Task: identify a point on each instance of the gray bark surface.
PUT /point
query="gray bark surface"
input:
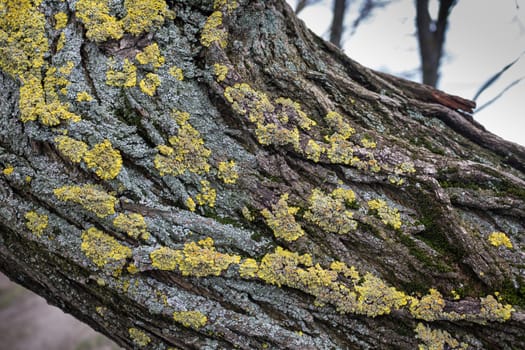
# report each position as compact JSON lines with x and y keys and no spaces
{"x":450,"y":183}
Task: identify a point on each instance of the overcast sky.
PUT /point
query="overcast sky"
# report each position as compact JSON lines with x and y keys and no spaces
{"x":483,"y":36}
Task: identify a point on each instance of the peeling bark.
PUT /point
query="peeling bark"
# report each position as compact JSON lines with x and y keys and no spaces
{"x":394,"y":183}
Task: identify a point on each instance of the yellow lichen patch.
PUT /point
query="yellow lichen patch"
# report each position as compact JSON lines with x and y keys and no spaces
{"x":73,"y":149}
{"x":188,"y":151}
{"x":314,"y":150}
{"x":36,"y":223}
{"x":145,"y":15}
{"x":228,"y":5}
{"x":212,"y":31}
{"x":99,"y":24}
{"x":248,"y":268}
{"x":101,"y":248}
{"x":23,"y":43}
{"x":33,"y":105}
{"x":207,"y":195}
{"x":282,"y":220}
{"x":389,"y":216}
{"x":246,"y":213}
{"x":60,"y":20}
{"x":196,"y":259}
{"x":104,"y":160}
{"x":348,"y":272}
{"x":176,"y":72}
{"x":429,"y":307}
{"x":293,"y":110}
{"x":220,"y":71}
{"x":377,"y":298}
{"x":368,"y":143}
{"x":61,"y":41}
{"x":500,"y":239}
{"x":227,"y":172}
{"x":89,"y":197}
{"x":191,"y":319}
{"x":342,"y":129}
{"x":165,"y":258}
{"x":139,"y":337}
{"x":123,"y":77}
{"x":133,"y":224}
{"x":330,"y":212}
{"x":339,"y":151}
{"x":492,"y":310}
{"x":149,"y":84}
{"x":436,"y":339}
{"x":8,"y":170}
{"x":245,"y":100}
{"x":83,"y":96}
{"x":190,"y":204}
{"x":151,"y":55}
{"x":273,"y":134}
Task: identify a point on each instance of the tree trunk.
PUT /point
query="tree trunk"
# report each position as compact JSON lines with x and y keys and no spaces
{"x":215,"y":176}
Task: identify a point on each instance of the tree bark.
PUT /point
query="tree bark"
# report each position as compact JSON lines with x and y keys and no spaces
{"x":213,"y":175}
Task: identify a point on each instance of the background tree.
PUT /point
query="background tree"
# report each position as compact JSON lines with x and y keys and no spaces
{"x":200,"y":174}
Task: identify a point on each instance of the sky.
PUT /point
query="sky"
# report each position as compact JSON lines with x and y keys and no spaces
{"x":483,"y":36}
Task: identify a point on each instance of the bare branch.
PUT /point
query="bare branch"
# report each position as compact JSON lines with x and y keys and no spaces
{"x":498,"y":96}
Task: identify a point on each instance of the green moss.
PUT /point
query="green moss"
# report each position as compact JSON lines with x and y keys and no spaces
{"x":422,"y":256}
{"x":511,"y":294}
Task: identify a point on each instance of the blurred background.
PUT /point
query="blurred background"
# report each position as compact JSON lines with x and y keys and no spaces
{"x":470,"y":48}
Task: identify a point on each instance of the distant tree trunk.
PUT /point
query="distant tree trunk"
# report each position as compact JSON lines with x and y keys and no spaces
{"x":337,"y":28}
{"x":431,"y":36}
{"x":215,"y":176}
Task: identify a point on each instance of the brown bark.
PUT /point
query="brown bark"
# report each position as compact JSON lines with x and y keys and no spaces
{"x":452,"y":183}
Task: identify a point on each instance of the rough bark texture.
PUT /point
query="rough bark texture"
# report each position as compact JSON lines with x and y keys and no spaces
{"x":300,"y":241}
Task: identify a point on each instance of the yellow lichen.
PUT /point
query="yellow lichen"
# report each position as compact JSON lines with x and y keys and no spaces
{"x":429,"y":307}
{"x":492,"y":310}
{"x":220,"y":71}
{"x":100,"y":25}
{"x":190,"y":204}
{"x":500,"y":239}
{"x":36,"y":223}
{"x":133,"y":224}
{"x":282,"y":220}
{"x":89,"y":197}
{"x":245,"y":100}
{"x":104,"y":160}
{"x":101,"y":248}
{"x":314,"y":150}
{"x":246,"y":213}
{"x":176,"y":72}
{"x":330,"y":212}
{"x":436,"y":339}
{"x":196,"y":259}
{"x":139,"y":337}
{"x":248,"y":268}
{"x":294,"y":112}
{"x":389,"y":216}
{"x":368,"y":143}
{"x":191,"y":319}
{"x":151,"y":55}
{"x":126,"y":76}
{"x":212,"y":31}
{"x":188,"y":151}
{"x":227,"y":172}
{"x":149,"y":84}
{"x":207,"y":195}
{"x":83,"y":96}
{"x":377,"y":298}
{"x":60,"y":20}
{"x":73,"y":149}
{"x":8,"y":170}
{"x":342,"y":129}
{"x":145,"y":15}
{"x":228,"y":5}
{"x":61,"y":41}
